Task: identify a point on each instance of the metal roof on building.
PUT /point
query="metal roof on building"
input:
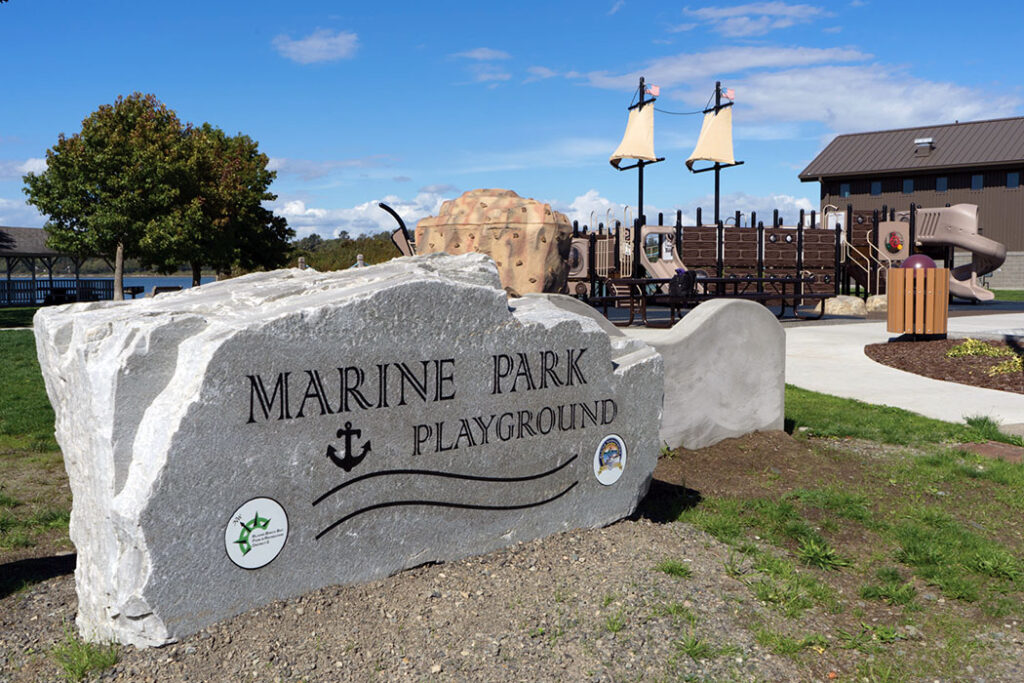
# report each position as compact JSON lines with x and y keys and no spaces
{"x":24,"y":242}
{"x":957,"y":145}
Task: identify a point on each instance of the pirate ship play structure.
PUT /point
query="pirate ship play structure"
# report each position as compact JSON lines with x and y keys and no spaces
{"x":840,"y":252}
{"x":634,"y":262}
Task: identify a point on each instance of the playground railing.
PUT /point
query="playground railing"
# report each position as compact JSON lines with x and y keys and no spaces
{"x":869,"y":258}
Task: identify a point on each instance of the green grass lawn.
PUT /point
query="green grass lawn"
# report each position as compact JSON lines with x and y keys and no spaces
{"x":17,"y":317}
{"x":35,"y":502}
{"x":1009,"y":294}
{"x":26,"y":418}
{"x":827,"y":415}
{"x":902,"y":529}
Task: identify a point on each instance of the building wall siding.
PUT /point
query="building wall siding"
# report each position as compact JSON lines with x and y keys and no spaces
{"x":1000,"y":209}
{"x":1009,"y":276}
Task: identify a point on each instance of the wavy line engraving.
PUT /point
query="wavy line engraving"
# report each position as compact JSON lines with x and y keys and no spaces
{"x":460,"y":506}
{"x":447,"y":475}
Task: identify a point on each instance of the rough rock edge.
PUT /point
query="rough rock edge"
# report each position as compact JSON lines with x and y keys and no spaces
{"x":66,"y":335}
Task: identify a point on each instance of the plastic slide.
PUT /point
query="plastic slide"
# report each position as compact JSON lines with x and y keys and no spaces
{"x":663,"y":268}
{"x":957,"y":226}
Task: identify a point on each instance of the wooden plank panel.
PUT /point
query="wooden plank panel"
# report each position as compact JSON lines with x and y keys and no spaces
{"x":895,"y":301}
{"x":908,"y":302}
{"x":929,"y":300}
{"x":919,"y":299}
{"x":942,"y":297}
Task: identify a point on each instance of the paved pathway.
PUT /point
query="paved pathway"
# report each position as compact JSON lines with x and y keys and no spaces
{"x":830,"y":359}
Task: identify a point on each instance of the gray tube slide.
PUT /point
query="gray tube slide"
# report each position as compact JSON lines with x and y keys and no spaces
{"x":957,"y":226}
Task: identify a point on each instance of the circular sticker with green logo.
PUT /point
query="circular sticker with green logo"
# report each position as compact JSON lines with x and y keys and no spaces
{"x":256,"y":533}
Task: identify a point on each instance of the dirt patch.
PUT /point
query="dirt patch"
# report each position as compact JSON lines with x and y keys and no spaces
{"x":928,"y":358}
{"x":584,"y":605}
{"x":996,"y":451}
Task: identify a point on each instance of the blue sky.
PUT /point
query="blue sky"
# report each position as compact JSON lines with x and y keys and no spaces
{"x":413,"y":103}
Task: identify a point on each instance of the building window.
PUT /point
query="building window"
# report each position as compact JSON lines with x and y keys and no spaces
{"x":941,"y":183}
{"x":844,"y":189}
{"x":908,"y":186}
{"x":1013,"y":179}
{"x":876,"y":188}
{"x":977,"y":181}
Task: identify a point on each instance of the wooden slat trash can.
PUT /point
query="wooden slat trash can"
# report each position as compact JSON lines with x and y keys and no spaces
{"x":918,"y":300}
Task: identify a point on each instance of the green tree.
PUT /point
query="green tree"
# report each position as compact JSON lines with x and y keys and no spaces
{"x":341,"y":253}
{"x":219,"y":220}
{"x":106,"y":186}
{"x":309,"y":243}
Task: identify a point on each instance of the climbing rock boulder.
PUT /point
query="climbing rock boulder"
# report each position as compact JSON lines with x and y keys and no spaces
{"x":528,"y":240}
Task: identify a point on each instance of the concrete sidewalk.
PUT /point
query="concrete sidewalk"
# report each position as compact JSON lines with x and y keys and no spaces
{"x":830,"y":359}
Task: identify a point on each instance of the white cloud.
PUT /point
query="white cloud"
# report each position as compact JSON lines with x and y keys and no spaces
{"x":558,"y":153}
{"x":483,"y":54}
{"x":16,"y":213}
{"x":362,"y":219}
{"x":591,"y":208}
{"x":484,"y":70}
{"x":788,"y":206}
{"x":309,"y":169}
{"x":619,"y":4}
{"x":487,"y":73}
{"x":442,"y":188}
{"x":681,"y":28}
{"x":539,"y":73}
{"x":779,"y":88}
{"x":320,"y":46}
{"x":14,"y":170}
{"x":767,"y":131}
{"x":858,"y":98}
{"x":755,"y":18}
{"x":699,"y":68}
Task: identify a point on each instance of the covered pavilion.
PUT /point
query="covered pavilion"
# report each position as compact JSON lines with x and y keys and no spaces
{"x":26,"y":247}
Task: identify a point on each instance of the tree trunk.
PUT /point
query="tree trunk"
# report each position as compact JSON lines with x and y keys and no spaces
{"x":119,"y":273}
{"x":197,"y":274}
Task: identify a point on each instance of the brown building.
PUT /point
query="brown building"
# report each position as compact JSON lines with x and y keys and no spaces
{"x":978,"y":162}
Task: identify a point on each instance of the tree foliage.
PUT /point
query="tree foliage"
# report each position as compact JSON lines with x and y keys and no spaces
{"x":135,"y":182}
{"x":105,"y":186}
{"x":219,"y":220}
{"x":340,"y":253}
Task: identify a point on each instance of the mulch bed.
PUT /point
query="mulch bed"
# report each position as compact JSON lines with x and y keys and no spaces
{"x":928,"y":358}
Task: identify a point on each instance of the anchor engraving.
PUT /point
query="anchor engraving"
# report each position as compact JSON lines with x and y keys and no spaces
{"x":349,"y":461}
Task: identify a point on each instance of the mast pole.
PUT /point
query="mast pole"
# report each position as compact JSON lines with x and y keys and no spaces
{"x":637,"y":238}
{"x":640,"y":164}
{"x":718,"y":166}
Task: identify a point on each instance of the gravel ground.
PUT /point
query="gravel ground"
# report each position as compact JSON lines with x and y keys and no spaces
{"x":585,"y":605}
{"x":579,"y":606}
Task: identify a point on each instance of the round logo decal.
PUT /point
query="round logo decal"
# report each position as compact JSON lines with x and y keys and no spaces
{"x":256,"y":533}
{"x":894,"y":243}
{"x":610,"y":459}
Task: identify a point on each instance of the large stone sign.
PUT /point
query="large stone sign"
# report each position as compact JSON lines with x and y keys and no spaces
{"x":255,"y":439}
{"x":528,"y":240}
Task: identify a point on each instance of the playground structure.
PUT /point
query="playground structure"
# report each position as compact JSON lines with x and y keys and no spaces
{"x":795,"y":265}
{"x":814,"y":259}
{"x":877,"y":241}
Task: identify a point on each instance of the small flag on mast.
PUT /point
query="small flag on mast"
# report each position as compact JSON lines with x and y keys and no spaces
{"x":654,"y":90}
{"x":730,"y":93}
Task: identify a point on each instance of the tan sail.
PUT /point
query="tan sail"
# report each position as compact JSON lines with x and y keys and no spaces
{"x":715,"y":141}
{"x":638,"y":142}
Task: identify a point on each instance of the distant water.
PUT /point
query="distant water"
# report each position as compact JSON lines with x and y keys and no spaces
{"x":148,"y":283}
